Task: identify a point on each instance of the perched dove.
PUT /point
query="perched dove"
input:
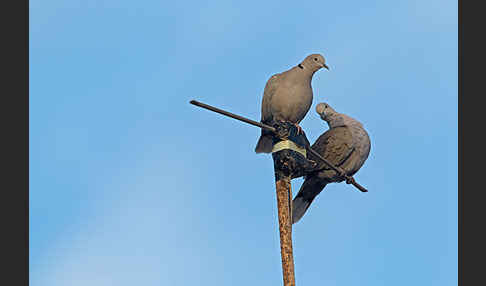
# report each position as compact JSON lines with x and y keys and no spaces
{"x":346,"y":145}
{"x":288,"y":97}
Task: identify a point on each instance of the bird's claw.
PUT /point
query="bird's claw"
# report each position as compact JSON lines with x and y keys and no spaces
{"x":299,"y":129}
{"x":350,"y":180}
{"x":313,"y":163}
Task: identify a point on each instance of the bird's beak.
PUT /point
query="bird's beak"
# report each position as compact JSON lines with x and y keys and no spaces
{"x":324,"y":65}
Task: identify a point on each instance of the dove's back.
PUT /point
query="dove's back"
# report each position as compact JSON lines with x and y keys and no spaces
{"x":361,"y":143}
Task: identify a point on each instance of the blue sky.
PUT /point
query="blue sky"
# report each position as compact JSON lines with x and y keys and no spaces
{"x":130,"y":184}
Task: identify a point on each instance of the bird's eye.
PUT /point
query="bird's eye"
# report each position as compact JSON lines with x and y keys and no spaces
{"x":315,"y":59}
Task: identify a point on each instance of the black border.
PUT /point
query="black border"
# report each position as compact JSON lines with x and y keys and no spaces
{"x":470,"y":145}
{"x":461,"y":184}
{"x":14,"y":211}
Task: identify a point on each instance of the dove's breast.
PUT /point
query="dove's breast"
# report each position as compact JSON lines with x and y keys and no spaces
{"x":292,"y":101}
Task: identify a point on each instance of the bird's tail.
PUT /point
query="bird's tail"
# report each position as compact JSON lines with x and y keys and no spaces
{"x":311,"y":187}
{"x":265,"y":143}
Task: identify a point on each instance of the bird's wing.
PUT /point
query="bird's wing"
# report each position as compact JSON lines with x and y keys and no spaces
{"x":268,"y":93}
{"x":335,"y":145}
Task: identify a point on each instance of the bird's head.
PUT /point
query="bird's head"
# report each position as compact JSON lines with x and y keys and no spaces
{"x":314,"y":62}
{"x":325,"y":111}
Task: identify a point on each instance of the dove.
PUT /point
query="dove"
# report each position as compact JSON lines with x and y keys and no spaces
{"x":346,"y":145}
{"x":287,"y":97}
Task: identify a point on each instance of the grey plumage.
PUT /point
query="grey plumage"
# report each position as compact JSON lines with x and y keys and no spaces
{"x":288,"y":97}
{"x":346,"y":145}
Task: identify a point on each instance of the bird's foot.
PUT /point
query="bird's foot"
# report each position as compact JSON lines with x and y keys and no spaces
{"x":312,"y":163}
{"x":344,"y":176}
{"x":350,"y":180}
{"x":299,"y":129}
{"x":310,"y":166}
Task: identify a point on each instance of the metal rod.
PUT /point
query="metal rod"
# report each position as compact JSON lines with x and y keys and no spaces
{"x":232,"y":115}
{"x":349,"y":179}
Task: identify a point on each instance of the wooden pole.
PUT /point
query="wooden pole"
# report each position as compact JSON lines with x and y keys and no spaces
{"x":284,"y":200}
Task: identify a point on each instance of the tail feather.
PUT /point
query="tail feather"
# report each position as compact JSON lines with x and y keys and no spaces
{"x":311,"y":187}
{"x":265,"y":144}
{"x":299,"y":207}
